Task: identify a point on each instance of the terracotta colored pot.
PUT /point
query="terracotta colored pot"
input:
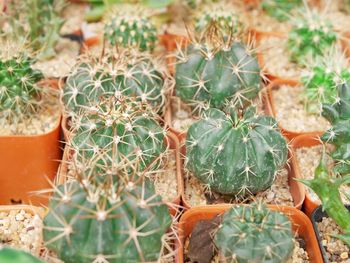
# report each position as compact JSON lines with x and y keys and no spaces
{"x":273,"y":109}
{"x":301,"y":141}
{"x":345,"y":42}
{"x":301,"y":226}
{"x":296,"y":189}
{"x":28,"y":163}
{"x":172,"y":142}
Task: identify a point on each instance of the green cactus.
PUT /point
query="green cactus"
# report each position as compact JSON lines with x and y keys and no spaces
{"x":213,"y":75}
{"x":39,"y":22}
{"x":20,"y":94}
{"x":10,"y":255}
{"x":253,"y":233}
{"x":235,"y":155}
{"x":118,"y":128}
{"x":311,"y":36}
{"x":327,"y":189}
{"x":338,"y":114}
{"x":280,"y":9}
{"x":124,"y":222}
{"x":130,"y":25}
{"x":321,"y":79}
{"x":131,"y":73}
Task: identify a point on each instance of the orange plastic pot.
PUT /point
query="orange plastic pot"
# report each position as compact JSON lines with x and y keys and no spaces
{"x":301,"y":141}
{"x":300,"y":222}
{"x":273,"y":109}
{"x":172,"y":142}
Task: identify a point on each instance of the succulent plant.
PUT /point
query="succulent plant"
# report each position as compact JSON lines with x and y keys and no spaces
{"x":338,"y":114}
{"x":213,"y":73}
{"x":311,"y":36}
{"x":120,"y":222}
{"x":327,"y":189}
{"x":39,"y":22}
{"x":254,"y":233}
{"x":20,"y":94}
{"x":237,"y":153}
{"x":280,"y":9}
{"x":118,"y":128}
{"x":11,"y":255}
{"x":128,"y":72}
{"x":130,"y":25}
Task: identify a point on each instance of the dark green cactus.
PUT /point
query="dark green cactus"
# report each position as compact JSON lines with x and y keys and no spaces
{"x":20,"y":93}
{"x":117,"y":224}
{"x":280,"y":9}
{"x":130,"y":26}
{"x":118,"y":128}
{"x":327,"y":189}
{"x":338,"y":114}
{"x":10,"y":255}
{"x":130,"y":73}
{"x":253,"y":233}
{"x":311,"y":36}
{"x":235,"y":155}
{"x":208,"y":76}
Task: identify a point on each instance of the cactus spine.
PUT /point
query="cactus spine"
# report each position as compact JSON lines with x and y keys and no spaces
{"x":254,"y":234}
{"x":235,"y":155}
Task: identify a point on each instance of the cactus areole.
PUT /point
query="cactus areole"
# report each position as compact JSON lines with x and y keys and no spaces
{"x":254,"y":234}
{"x":235,"y":155}
{"x":207,"y":78}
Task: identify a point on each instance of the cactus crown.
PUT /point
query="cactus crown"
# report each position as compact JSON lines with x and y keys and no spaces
{"x":280,"y":9}
{"x":338,"y":114}
{"x":235,"y":155}
{"x":311,"y":36}
{"x":130,"y":25}
{"x":39,"y":22}
{"x":120,"y":221}
{"x":253,"y":233}
{"x":115,"y":129}
{"x":20,"y":94}
{"x":214,"y":71}
{"x":322,"y":77}
{"x":125,"y":72}
{"x":327,"y":189}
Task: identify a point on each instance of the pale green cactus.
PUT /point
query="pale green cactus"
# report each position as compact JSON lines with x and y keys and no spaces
{"x":280,"y":9}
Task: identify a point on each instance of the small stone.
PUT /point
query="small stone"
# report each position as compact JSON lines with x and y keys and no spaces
{"x":344,"y":255}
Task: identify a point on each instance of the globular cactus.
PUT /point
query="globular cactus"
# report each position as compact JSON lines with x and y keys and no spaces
{"x":254,"y":233}
{"x":321,"y":79}
{"x":235,"y":155}
{"x":20,"y":94}
{"x":214,"y":73}
{"x":118,"y":128}
{"x":117,"y":223}
{"x":327,"y":189}
{"x":131,"y":26}
{"x":311,"y":36}
{"x":11,"y":255}
{"x":128,"y":72}
{"x":280,"y":9}
{"x":338,"y":114}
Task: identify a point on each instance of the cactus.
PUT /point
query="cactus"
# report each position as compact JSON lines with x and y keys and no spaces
{"x":235,"y":155}
{"x":118,"y":128}
{"x":338,"y":114}
{"x":120,"y":222}
{"x":322,"y":78}
{"x":327,"y":189}
{"x":254,"y":233}
{"x":39,"y":22}
{"x":213,"y":73}
{"x":311,"y":36}
{"x":128,"y":72}
{"x":280,"y":9}
{"x":10,"y":255}
{"x":130,"y":25}
{"x":20,"y":94}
